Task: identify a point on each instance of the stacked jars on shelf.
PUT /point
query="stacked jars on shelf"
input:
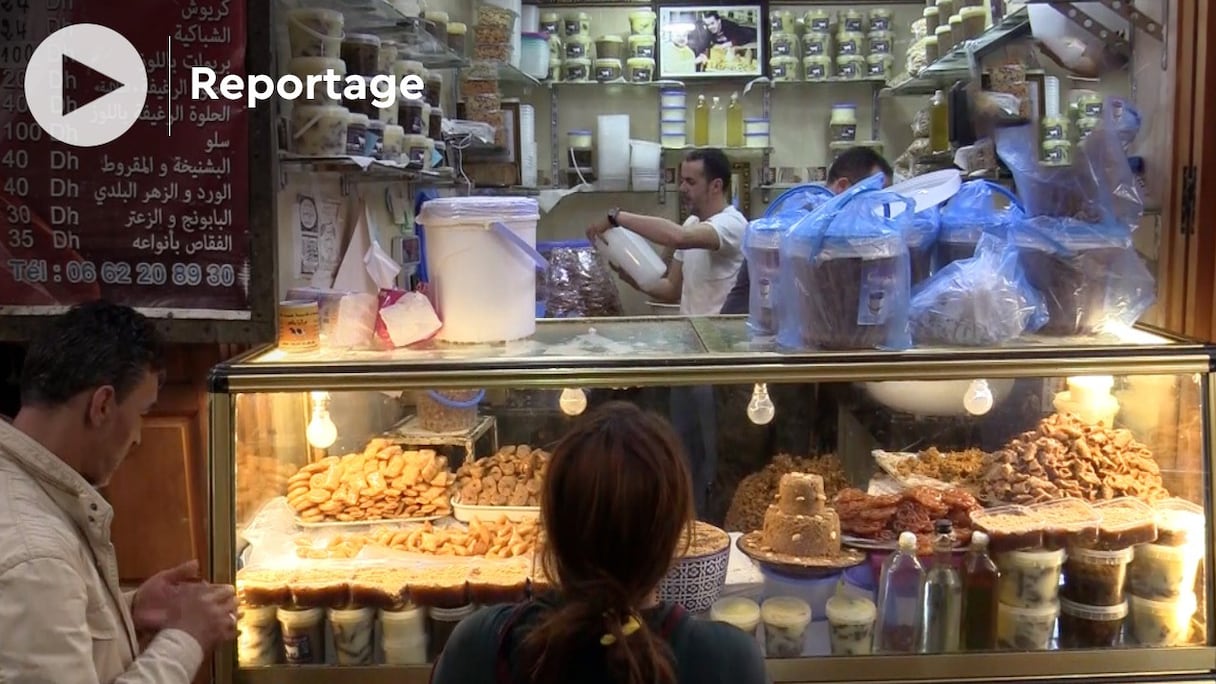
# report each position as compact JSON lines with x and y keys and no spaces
{"x":862,"y":46}
{"x":325,"y":126}
{"x":673,"y":118}
{"x":577,"y":58}
{"x":944,"y":26}
{"x":1117,"y":571}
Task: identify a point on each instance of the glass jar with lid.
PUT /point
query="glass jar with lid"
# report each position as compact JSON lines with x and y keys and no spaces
{"x":956,"y":30}
{"x":882,"y":42}
{"x":576,"y":70}
{"x":854,"y":20}
{"x":551,"y":23}
{"x":945,"y":40}
{"x":1086,"y":125}
{"x":781,"y":22}
{"x":931,"y":53}
{"x":784,"y":45}
{"x":578,"y":46}
{"x":945,"y":10}
{"x":784,"y":68}
{"x":842,"y":127}
{"x":849,"y":43}
{"x":640,"y":69}
{"x":881,"y":20}
{"x":932,"y":19}
{"x":815,"y":44}
{"x":851,"y":67}
{"x":607,"y":70}
{"x":578,"y":24}
{"x":1089,"y":102}
{"x":817,"y":68}
{"x":818,"y":21}
{"x":974,"y":21}
{"x":641,"y":46}
{"x":879,"y":66}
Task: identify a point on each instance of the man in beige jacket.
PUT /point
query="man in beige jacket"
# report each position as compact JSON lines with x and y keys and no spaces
{"x":88,"y":380}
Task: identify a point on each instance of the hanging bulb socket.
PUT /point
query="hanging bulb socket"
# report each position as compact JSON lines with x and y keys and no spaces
{"x":760,"y":410}
{"x":978,"y":399}
{"x":573,"y":401}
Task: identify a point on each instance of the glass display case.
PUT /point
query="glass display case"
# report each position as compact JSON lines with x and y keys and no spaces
{"x":364,"y":502}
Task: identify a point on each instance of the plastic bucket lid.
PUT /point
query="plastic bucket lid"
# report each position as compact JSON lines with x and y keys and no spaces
{"x":1095,"y":613}
{"x":462,"y":211}
{"x":1094,"y":557}
{"x":785,"y":611}
{"x":1034,"y":559}
{"x":928,"y":190}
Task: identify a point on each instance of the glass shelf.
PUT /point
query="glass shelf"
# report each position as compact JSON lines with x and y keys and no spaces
{"x":954,"y":66}
{"x":381,"y":18}
{"x":367,"y":168}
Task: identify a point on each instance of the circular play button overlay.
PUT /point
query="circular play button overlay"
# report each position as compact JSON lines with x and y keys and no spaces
{"x":86,"y":85}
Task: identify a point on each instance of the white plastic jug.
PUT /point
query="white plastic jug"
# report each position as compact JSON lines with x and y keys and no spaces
{"x":481,"y":262}
{"x":630,"y":252}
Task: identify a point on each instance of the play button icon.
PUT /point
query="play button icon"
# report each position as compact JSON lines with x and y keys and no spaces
{"x":86,"y":85}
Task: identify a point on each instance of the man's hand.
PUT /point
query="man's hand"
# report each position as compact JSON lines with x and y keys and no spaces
{"x":597,"y":229}
{"x":156,"y":598}
{"x":206,"y":612}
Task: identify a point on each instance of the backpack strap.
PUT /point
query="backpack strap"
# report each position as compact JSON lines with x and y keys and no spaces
{"x":502,"y":664}
{"x":675,"y":617}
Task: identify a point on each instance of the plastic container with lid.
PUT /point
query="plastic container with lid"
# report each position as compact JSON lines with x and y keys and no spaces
{"x":352,"y":631}
{"x":1126,"y":522}
{"x":557,"y":50}
{"x":607,"y":70}
{"x":842,"y":127}
{"x":303,"y":67}
{"x":945,"y":40}
{"x":394,"y":143}
{"x":1162,"y":623}
{"x":1026,"y":628}
{"x":258,"y":643}
{"x":880,"y":66}
{"x":956,"y":30}
{"x":851,"y":67}
{"x":850,"y":43}
{"x":781,"y":21}
{"x":737,"y":611}
{"x":1095,"y":578}
{"x":1068,"y":522}
{"x":366,"y":105}
{"x":373,"y":142}
{"x":673,"y":114}
{"x":457,"y":38}
{"x":1164,"y":573}
{"x":818,"y":21}
{"x":641,"y":22}
{"x":1089,"y":102}
{"x":437,"y":25}
{"x":671,"y":98}
{"x":673,"y":127}
{"x":1009,"y":528}
{"x":578,"y":46}
{"x":389,"y":50}
{"x":1030,"y":579}
{"x":315,"y":33}
{"x":639,"y":70}
{"x":817,"y":68}
{"x":318,"y":131}
{"x":577,"y":24}
{"x":753,"y":126}
{"x":551,"y":23}
{"x":1084,"y":626}
{"x":945,"y":8}
{"x":851,"y":623}
{"x":784,"y":68}
{"x":1087,"y":125}
{"x":534,"y":54}
{"x":785,"y":622}
{"x":630,"y":252}
{"x":303,"y":635}
{"x":361,"y":52}
{"x":783,"y":45}
{"x":755,"y":140}
{"x":579,"y":139}
{"x":881,"y":42}
{"x":610,"y":47}
{"x":435,"y":123}
{"x":932,"y":20}
{"x":882,"y":19}
{"x":816,"y":44}
{"x":356,"y":134}
{"x":443,"y":621}
{"x":432,"y":89}
{"x":974,"y":21}
{"x":1179,"y":523}
{"x":641,"y":46}
{"x":674,"y":140}
{"x":854,"y":20}
{"x":931,"y":52}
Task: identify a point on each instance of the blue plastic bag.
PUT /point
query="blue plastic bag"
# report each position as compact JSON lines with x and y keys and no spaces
{"x":922,"y":240}
{"x":845,"y":275}
{"x":762,"y":248}
{"x":1098,"y":187}
{"x":978,"y":302}
{"x":1090,"y":275}
{"x":799,"y":198}
{"x":972,"y":212}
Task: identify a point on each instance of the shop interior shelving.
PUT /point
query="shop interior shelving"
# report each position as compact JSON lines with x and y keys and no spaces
{"x":354,"y":170}
{"x":383,"y":19}
{"x":955,"y":66}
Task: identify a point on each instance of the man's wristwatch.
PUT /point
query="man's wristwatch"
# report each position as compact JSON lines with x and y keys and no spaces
{"x":612,"y":217}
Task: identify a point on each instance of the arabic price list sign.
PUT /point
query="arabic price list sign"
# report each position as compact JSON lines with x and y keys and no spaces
{"x":158,"y":218}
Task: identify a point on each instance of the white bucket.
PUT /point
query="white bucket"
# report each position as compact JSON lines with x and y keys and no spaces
{"x":481,"y":262}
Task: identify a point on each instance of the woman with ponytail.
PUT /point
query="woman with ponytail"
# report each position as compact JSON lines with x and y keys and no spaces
{"x":616,"y":502}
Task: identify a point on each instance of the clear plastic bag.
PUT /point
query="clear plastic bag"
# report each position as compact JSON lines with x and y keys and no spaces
{"x":1090,"y":275}
{"x":845,"y":274}
{"x":972,"y":212}
{"x":977,"y":302}
{"x":577,"y":284}
{"x":1099,"y":186}
{"x":762,"y":248}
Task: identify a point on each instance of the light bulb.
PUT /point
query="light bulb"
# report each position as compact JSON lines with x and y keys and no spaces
{"x":760,"y":409}
{"x":321,"y":431}
{"x":978,"y":399}
{"x":573,"y":401}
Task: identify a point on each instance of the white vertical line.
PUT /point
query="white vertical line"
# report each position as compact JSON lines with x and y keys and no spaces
{"x":170,"y":88}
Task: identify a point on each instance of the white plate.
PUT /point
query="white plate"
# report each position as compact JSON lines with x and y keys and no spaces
{"x":928,"y":190}
{"x":465,"y":513}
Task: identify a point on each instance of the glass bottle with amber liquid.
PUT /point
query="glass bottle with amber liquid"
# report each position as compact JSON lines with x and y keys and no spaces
{"x":700,"y":123}
{"x":980,"y":581}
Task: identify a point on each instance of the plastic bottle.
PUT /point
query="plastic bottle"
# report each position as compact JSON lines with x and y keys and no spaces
{"x":939,"y":123}
{"x":900,"y":599}
{"x":734,"y":122}
{"x":717,"y":123}
{"x":942,"y":615}
{"x":700,"y":123}
{"x":981,"y":578}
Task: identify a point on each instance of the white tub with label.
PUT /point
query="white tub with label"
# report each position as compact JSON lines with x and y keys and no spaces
{"x":481,"y":260}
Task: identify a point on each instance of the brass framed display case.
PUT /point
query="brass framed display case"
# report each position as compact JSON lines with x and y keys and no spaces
{"x":1137,"y":404}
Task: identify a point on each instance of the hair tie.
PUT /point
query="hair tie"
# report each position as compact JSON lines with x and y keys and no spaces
{"x":629,"y":627}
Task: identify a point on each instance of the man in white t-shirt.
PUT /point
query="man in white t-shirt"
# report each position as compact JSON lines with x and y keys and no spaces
{"x":707,"y":256}
{"x":708,"y":251}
